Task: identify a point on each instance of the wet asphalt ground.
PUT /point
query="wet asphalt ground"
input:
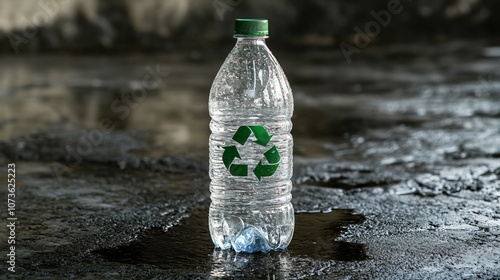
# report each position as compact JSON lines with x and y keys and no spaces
{"x":396,"y":168}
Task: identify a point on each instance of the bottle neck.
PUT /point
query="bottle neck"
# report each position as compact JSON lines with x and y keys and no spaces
{"x":250,"y":40}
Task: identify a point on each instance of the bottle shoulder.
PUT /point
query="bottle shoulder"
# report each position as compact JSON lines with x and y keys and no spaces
{"x":251,"y":77}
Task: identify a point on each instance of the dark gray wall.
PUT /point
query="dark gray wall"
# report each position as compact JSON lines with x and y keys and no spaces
{"x":120,"y":25}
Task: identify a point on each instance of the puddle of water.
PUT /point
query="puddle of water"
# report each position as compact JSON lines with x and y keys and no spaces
{"x":315,"y":236}
{"x":188,"y":247}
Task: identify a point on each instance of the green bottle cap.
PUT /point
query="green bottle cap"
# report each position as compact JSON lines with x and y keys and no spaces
{"x":251,"y":27}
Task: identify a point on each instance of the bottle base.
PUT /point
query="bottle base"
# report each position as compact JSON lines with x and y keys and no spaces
{"x":250,"y":231}
{"x":251,"y":240}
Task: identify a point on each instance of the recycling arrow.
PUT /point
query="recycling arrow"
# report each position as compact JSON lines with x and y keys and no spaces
{"x":273,"y":157}
{"x":241,"y":136}
{"x":260,"y":133}
{"x":230,"y":153}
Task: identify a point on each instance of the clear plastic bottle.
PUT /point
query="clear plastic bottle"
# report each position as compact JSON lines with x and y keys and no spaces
{"x":251,"y":106}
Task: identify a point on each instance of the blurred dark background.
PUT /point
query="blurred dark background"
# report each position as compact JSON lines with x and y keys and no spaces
{"x":85,"y":26}
{"x":68,"y":64}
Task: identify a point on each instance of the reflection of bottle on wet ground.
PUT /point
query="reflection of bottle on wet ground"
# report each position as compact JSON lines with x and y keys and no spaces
{"x":251,"y":106}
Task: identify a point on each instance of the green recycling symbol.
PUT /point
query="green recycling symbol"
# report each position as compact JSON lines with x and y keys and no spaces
{"x":261,"y":170}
